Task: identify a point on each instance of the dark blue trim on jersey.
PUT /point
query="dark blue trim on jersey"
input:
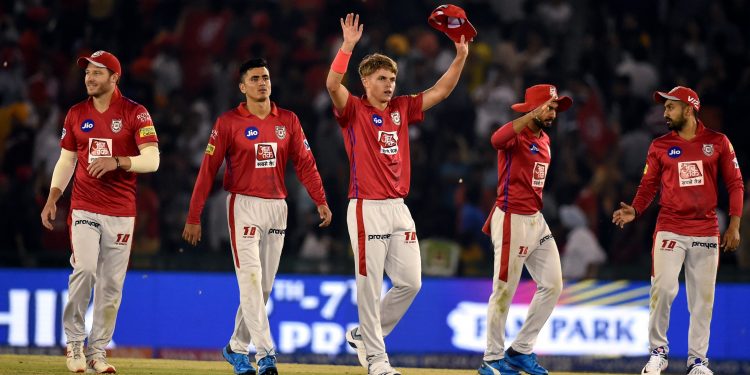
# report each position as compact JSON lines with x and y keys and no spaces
{"x":353,"y":141}
{"x":508,"y":159}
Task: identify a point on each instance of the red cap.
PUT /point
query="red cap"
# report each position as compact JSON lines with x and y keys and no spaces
{"x":452,"y":20}
{"x":680,"y":93}
{"x":102,"y":59}
{"x":538,"y":94}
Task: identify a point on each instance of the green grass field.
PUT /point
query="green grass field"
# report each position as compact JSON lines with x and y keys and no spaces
{"x":44,"y":364}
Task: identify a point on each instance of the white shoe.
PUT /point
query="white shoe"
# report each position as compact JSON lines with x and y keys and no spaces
{"x":355,"y":341}
{"x":382,"y":368}
{"x":76,"y":360}
{"x":700,"y":367}
{"x":657,"y":363}
{"x":99,"y":365}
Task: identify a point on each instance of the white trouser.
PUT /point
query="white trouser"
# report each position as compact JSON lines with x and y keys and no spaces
{"x":383,"y":238}
{"x":101,"y":250}
{"x":519,"y":240}
{"x":700,"y":255}
{"x":257,"y":227}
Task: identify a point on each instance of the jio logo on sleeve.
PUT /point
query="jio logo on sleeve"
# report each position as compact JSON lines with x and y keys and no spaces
{"x":87,"y":125}
{"x":377,"y":120}
{"x":674,"y":152}
{"x":251,"y":132}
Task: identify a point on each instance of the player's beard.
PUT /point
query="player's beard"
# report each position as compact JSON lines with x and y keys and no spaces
{"x":99,"y":90}
{"x":675,"y":124}
{"x":543,"y":124}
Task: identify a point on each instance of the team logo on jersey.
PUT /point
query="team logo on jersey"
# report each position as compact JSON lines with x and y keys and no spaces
{"x":280,"y":131}
{"x":210,"y":149}
{"x":87,"y":125}
{"x":539,"y":174}
{"x":396,"y":118}
{"x":708,"y":149}
{"x":674,"y":152}
{"x":147,"y":131}
{"x":377,"y":120}
{"x":690,"y":173}
{"x":534,"y":148}
{"x":214,"y":134}
{"x":251,"y":132}
{"x":265,"y":155}
{"x":388,"y":142}
{"x":116,"y":125}
{"x":99,"y":148}
{"x":63,"y":133}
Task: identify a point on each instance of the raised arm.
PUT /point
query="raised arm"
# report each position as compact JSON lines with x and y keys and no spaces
{"x":445,"y":85}
{"x":351,"y":30}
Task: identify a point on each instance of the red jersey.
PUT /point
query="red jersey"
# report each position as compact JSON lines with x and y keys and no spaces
{"x":522,"y":164}
{"x":686,"y":172}
{"x":116,"y":132}
{"x":377,"y":143}
{"x":256,"y":151}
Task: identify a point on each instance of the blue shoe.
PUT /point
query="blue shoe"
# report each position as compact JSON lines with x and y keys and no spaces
{"x":267,"y":365}
{"x":239,"y":361}
{"x":498,"y":367}
{"x":526,"y":363}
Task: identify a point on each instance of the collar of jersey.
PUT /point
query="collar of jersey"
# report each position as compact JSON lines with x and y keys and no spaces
{"x":245,"y":113}
{"x":368,"y":104}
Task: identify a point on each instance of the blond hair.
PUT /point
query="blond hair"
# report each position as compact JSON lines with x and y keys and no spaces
{"x":371,"y":63}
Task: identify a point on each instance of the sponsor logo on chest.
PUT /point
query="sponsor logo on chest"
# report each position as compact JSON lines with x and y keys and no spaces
{"x":388,"y":142}
{"x":265,"y":155}
{"x":539,"y":174}
{"x":690,"y":173}
{"x":99,"y":148}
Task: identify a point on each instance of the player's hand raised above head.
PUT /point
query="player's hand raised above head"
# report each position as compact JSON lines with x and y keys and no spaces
{"x":624,"y":215}
{"x":351,"y":30}
{"x":462,"y":47}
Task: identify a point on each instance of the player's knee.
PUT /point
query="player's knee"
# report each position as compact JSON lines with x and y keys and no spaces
{"x":413,"y":286}
{"x":86,"y":270}
{"x":664,"y":291}
{"x":554,"y":288}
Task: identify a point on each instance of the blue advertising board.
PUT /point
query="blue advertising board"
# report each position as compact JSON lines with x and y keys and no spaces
{"x":310,"y":314}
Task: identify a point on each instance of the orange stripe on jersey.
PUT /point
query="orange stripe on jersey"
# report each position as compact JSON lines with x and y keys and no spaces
{"x":361,"y":240}
{"x":232,"y":234}
{"x":505,"y":254}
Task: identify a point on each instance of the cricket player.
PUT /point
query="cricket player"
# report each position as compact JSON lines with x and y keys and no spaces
{"x":105,"y":141}
{"x":684,"y":165}
{"x":519,"y":232}
{"x":256,"y":138}
{"x":381,"y":229}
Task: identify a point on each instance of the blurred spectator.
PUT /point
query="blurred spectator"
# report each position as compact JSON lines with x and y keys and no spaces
{"x":583,"y":255}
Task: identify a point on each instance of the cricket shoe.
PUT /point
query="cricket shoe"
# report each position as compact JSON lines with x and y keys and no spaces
{"x":76,"y":360}
{"x":497,"y":367}
{"x":657,"y":362}
{"x":99,"y":365}
{"x":267,"y":365}
{"x":381,"y":368}
{"x":699,"y":367}
{"x":239,"y":361}
{"x":526,"y":363}
{"x":355,"y":341}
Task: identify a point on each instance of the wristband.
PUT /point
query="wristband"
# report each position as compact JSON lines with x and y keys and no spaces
{"x":341,"y":62}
